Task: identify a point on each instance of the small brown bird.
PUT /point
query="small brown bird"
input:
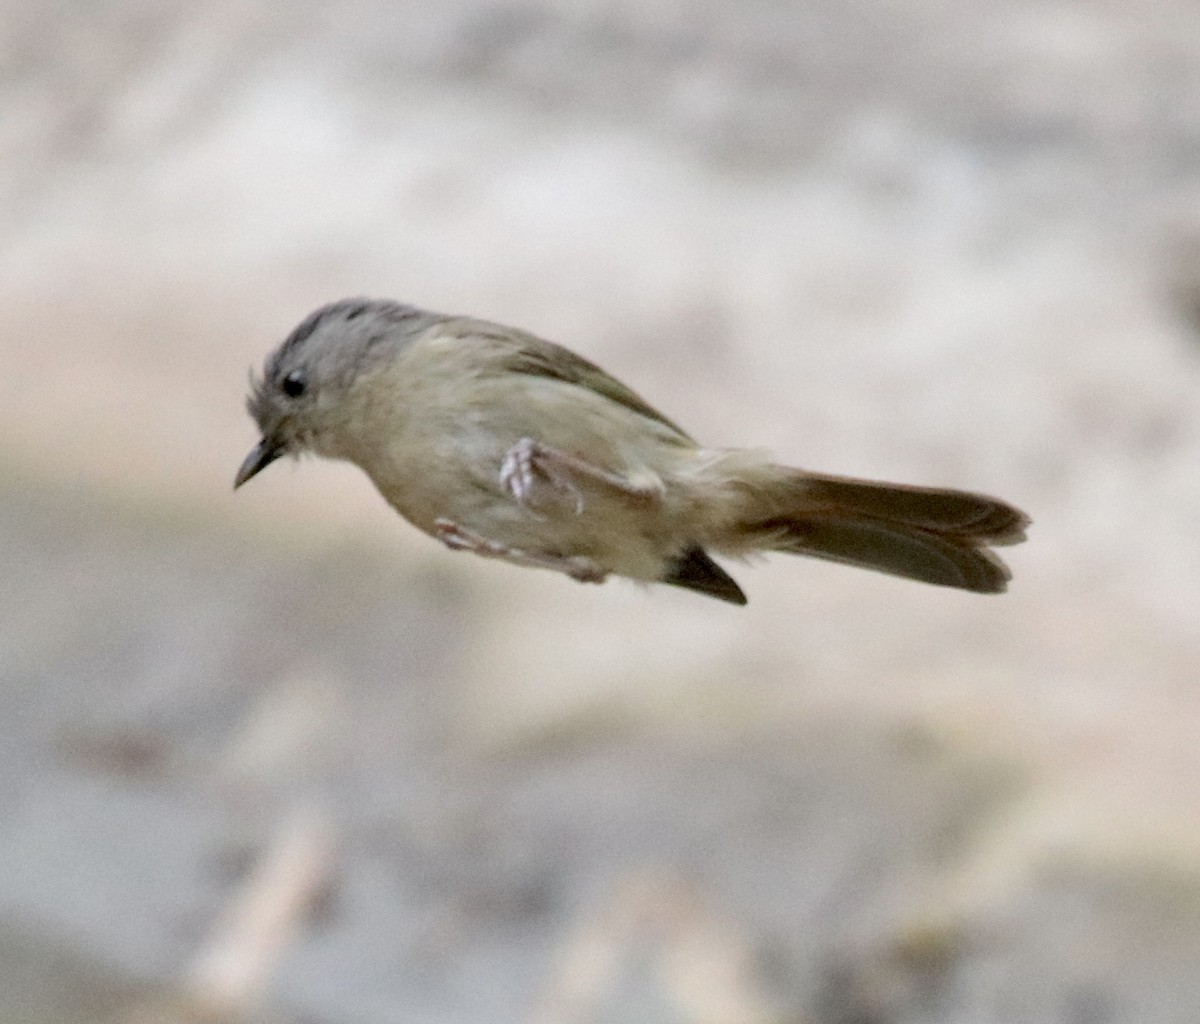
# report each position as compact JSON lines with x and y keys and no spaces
{"x":500,"y":443}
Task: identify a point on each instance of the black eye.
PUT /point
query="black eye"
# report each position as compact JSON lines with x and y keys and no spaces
{"x":294,"y":384}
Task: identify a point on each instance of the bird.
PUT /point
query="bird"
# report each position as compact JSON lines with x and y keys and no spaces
{"x":498,"y":442}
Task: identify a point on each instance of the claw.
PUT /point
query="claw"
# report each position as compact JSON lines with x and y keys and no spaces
{"x":516,"y":471}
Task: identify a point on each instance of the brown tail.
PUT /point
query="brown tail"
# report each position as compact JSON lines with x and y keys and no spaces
{"x":935,"y":536}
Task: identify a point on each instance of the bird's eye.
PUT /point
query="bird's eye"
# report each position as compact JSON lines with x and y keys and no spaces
{"x":294,"y":384}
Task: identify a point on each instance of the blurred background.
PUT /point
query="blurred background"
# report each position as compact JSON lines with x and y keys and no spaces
{"x":279,"y":757}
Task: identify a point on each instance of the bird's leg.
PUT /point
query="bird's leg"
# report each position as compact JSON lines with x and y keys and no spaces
{"x":458,"y":538}
{"x":528,"y":461}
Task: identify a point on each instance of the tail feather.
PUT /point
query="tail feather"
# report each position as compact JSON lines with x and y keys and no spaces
{"x":970,"y":517}
{"x":935,"y":536}
{"x":694,"y":570}
{"x":896,"y":549}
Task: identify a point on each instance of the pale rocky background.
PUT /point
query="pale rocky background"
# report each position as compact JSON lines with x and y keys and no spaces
{"x":278,"y":757}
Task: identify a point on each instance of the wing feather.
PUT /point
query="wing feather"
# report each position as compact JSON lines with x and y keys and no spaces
{"x":528,"y":354}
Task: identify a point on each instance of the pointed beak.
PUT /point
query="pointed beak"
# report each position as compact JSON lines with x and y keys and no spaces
{"x":260,"y":457}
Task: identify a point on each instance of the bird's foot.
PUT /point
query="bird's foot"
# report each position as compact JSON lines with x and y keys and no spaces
{"x":529,"y":462}
{"x":458,"y":538}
